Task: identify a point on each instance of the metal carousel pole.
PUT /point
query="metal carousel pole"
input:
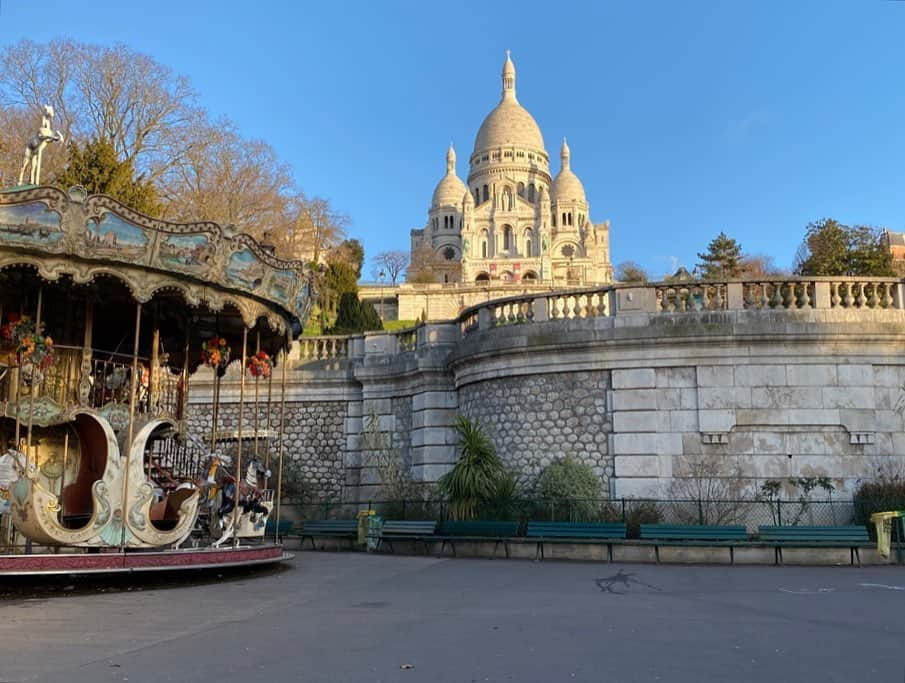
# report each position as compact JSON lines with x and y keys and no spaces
{"x":239,"y":445}
{"x":279,"y":492}
{"x":257,"y":435}
{"x":132,"y":396}
{"x":34,"y":381}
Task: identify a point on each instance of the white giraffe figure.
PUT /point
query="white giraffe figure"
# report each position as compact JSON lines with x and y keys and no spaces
{"x":34,"y":150}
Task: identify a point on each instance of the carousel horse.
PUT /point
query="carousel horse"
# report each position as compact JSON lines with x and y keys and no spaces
{"x":250,"y":499}
{"x":34,"y":149}
{"x":12,"y":465}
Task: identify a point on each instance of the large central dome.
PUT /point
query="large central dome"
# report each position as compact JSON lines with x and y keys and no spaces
{"x":509,"y":123}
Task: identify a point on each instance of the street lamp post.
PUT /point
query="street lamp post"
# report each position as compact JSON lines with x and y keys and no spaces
{"x":382,"y":277}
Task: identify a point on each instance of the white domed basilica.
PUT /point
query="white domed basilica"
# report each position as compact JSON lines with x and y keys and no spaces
{"x":512,"y":221}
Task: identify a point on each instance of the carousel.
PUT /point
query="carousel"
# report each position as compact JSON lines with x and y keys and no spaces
{"x":108,"y":318}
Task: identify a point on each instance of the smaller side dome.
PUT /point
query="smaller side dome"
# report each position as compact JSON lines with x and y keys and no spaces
{"x":566,"y":185}
{"x":450,"y":189}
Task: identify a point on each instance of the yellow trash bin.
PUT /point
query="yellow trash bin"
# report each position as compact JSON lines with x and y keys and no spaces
{"x":883,"y":522}
{"x":363,"y":523}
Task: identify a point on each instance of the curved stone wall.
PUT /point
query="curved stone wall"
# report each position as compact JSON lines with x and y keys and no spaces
{"x":769,"y":380}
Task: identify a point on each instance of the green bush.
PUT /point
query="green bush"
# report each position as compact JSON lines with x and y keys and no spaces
{"x":571,"y":488}
{"x":883,"y":494}
{"x":638,"y":513}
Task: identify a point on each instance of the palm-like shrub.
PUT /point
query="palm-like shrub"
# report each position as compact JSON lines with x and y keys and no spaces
{"x":475,"y":480}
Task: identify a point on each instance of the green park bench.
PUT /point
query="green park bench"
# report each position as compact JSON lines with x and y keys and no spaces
{"x":574,"y":532}
{"x":476,"y":531}
{"x":710,"y":536}
{"x":852,"y":537}
{"x":329,"y":528}
{"x":283,"y":529}
{"x":396,"y":530}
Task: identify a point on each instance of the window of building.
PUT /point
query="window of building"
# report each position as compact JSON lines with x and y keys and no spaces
{"x":507,"y":237}
{"x":531,"y":191}
{"x":521,"y":189}
{"x":482,"y":277}
{"x":449,"y":253}
{"x":486,"y":194}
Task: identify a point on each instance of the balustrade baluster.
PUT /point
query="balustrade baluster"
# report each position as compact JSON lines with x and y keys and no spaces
{"x":847,"y":299}
{"x":834,"y":294}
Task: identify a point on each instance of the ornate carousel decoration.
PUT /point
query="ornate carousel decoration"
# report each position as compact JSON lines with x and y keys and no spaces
{"x":105,"y":315}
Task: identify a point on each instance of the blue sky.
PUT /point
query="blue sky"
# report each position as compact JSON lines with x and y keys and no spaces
{"x":684,"y":119}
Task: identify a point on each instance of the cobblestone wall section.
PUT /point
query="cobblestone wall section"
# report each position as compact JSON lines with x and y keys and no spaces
{"x":536,"y":419}
{"x":313,"y":440}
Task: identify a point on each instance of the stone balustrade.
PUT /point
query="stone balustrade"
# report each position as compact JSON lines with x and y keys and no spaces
{"x":654,"y":298}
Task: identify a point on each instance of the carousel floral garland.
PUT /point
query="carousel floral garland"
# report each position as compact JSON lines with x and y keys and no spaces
{"x":31,"y":345}
{"x":260,"y":365}
{"x":215,"y":353}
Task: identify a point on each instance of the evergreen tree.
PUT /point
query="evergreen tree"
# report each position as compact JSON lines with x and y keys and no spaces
{"x":96,"y":166}
{"x":354,"y":316}
{"x":722,"y":260}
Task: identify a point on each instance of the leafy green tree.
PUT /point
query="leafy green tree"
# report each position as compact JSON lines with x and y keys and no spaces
{"x":722,"y":260}
{"x":95,"y":165}
{"x":831,"y":248}
{"x":571,"y":485}
{"x":477,"y":477}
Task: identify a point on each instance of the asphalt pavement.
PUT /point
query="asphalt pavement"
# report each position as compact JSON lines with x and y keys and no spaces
{"x":349,"y":617}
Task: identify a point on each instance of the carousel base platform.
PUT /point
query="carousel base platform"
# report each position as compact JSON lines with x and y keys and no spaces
{"x":68,"y":563}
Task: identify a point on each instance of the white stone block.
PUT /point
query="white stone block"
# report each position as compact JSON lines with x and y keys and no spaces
{"x":716,"y":420}
{"x":426,"y":455}
{"x":637,"y":466}
{"x":638,"y":378}
{"x":641,"y":444}
{"x":848,"y":397}
{"x":716,"y":376}
{"x":669,"y":399}
{"x":636,"y":421}
{"x":760,"y":375}
{"x":811,"y":374}
{"x":855,"y":375}
{"x":764,"y":466}
{"x":710,"y":398}
{"x":888,"y":375}
{"x":647,"y":487}
{"x":435,"y":399}
{"x":683,"y":421}
{"x":864,"y":420}
{"x":785,"y":397}
{"x":813,"y":416}
{"x":634,"y":399}
{"x":688,"y":399}
{"x":765,"y":442}
{"x":762,"y":417}
{"x":430,"y":473}
{"x":433,"y":436}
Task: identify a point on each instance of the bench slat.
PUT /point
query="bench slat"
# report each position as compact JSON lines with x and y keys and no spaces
{"x":692,"y":532}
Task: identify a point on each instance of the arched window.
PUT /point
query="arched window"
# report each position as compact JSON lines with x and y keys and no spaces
{"x":486,"y":194}
{"x":570,"y":218}
{"x":554,"y":220}
{"x":485,"y":239}
{"x":477,"y":196}
{"x":521,"y":189}
{"x":507,"y":237}
{"x":482,"y":277}
{"x":531,"y":191}
{"x":528,"y":236}
{"x":449,"y":253}
{"x":564,"y":221}
{"x":530,"y":275}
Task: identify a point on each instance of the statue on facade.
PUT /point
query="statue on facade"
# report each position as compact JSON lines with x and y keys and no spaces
{"x":34,"y":150}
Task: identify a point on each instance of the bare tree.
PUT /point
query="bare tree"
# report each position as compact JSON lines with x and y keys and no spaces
{"x":706,"y":490}
{"x":629,"y":271}
{"x":759,"y":265}
{"x":425,"y":262}
{"x":319,"y":226}
{"x":229,"y":180}
{"x":105,"y":93}
{"x":392,"y":263}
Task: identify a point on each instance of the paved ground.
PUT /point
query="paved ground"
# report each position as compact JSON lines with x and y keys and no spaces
{"x":352,"y":617}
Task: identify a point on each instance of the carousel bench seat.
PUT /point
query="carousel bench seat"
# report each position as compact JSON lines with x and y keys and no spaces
{"x":329,"y":528}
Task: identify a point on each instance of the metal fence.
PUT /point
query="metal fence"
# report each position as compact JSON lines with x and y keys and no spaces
{"x":633,"y":511}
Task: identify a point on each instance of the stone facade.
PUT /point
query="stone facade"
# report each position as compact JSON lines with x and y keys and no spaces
{"x":536,"y":419}
{"x":313,"y":440}
{"x":796,"y":378}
